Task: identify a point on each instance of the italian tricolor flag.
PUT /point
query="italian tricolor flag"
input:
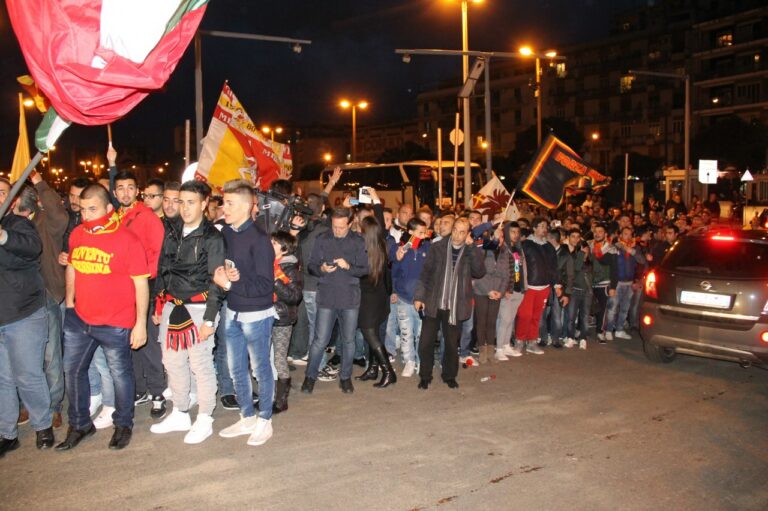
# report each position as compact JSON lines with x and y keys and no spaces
{"x":97,"y":59}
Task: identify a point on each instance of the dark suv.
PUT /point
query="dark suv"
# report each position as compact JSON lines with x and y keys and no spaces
{"x":709,"y":297}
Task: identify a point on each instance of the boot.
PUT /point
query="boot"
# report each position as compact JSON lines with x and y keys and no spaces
{"x":483,"y":354}
{"x":281,"y":395}
{"x":388,"y":374}
{"x":372,"y":372}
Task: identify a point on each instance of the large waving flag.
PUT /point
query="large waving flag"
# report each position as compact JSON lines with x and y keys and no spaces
{"x":97,"y":59}
{"x":234,"y":148}
{"x":555,"y":168}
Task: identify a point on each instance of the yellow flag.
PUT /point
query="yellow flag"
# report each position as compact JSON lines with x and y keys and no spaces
{"x":21,"y":156}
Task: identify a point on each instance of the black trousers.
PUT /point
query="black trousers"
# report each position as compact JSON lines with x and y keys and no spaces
{"x":486,"y":312}
{"x":148,"y":364}
{"x":451,"y":335}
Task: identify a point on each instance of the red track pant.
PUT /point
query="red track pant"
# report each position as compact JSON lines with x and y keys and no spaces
{"x":529,"y":314}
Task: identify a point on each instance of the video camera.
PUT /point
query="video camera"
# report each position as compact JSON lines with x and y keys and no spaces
{"x":276,"y":210}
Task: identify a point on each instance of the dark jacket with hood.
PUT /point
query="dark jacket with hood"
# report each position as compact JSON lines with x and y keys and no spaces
{"x":187,"y":263}
{"x":20,"y":279}
{"x":288,"y":294}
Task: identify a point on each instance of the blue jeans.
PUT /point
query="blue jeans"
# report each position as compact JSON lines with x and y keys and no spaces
{"x":80,"y":343}
{"x":251,"y":340}
{"x":466,"y":335}
{"x":577,"y":313}
{"x":392,"y":330}
{"x":22,"y":349}
{"x":99,"y":372}
{"x":622,"y":301}
{"x":552,"y":318}
{"x":634,"y":308}
{"x":410,"y":328}
{"x":325,"y":320}
{"x":54,"y":373}
{"x":310,"y":302}
{"x":223,"y":378}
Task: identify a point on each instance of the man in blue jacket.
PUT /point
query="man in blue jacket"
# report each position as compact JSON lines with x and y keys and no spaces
{"x":407,"y":262}
{"x":339,"y":260}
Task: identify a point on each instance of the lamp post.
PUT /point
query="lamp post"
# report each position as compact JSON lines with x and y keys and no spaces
{"x":526,"y":51}
{"x":362,"y":104}
{"x":269,"y":130}
{"x":465,"y":102}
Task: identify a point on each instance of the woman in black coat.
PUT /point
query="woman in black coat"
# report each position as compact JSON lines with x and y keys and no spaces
{"x":375,"y":292}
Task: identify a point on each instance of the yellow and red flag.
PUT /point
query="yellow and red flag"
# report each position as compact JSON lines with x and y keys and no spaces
{"x":21,"y":157}
{"x":28,"y":84}
{"x":235,"y":149}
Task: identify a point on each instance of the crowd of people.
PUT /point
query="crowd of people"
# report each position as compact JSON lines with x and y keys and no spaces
{"x":187,"y":297}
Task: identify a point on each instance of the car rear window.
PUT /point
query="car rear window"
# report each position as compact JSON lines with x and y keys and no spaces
{"x":719,"y":258}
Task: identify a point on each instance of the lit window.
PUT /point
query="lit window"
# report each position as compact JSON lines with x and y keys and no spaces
{"x":724,"y":39}
{"x":560,"y":69}
{"x":626,"y":83}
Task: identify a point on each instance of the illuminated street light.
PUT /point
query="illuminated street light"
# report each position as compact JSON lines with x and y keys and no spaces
{"x":345,"y":104}
{"x":527,"y":51}
{"x":327,"y":157}
{"x":595,"y":135}
{"x":268,"y":130}
{"x":29,"y":103}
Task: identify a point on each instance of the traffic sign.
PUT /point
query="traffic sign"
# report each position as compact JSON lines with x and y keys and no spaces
{"x":456,"y":137}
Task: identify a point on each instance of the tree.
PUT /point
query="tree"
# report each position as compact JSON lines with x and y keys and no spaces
{"x":407,"y":152}
{"x":732,"y":141}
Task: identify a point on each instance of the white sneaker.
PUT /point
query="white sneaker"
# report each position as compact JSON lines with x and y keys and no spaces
{"x":245,"y":426}
{"x":600,"y":336}
{"x":500,"y":356}
{"x":583,"y":344}
{"x":201,"y":429}
{"x":569,"y":343}
{"x":176,"y":421}
{"x":262,"y":433}
{"x":409,"y":369}
{"x":470,"y":361}
{"x":300,"y":361}
{"x":608,"y":336}
{"x":94,"y":405}
{"x":509,"y":350}
{"x":518,"y":350}
{"x":621,"y":334}
{"x":104,"y":420}
{"x":168,"y":394}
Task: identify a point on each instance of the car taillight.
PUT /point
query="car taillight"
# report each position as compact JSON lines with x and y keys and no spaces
{"x":764,"y":337}
{"x":647,"y":320}
{"x":722,"y":237}
{"x":650,"y":285}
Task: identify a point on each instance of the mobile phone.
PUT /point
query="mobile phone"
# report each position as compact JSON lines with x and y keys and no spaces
{"x":229,"y":264}
{"x":332,"y":264}
{"x":407,"y":246}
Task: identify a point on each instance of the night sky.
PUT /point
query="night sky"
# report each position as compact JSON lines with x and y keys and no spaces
{"x":352,"y":55}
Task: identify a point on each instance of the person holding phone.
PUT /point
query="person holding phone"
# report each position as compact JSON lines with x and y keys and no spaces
{"x":339,"y":261}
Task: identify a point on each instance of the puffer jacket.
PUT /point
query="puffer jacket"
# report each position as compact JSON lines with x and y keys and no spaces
{"x":187,"y":263}
{"x":288,"y":294}
{"x":496,"y":273}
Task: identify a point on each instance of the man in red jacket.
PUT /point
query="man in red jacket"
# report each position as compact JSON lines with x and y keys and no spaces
{"x":145,"y":224}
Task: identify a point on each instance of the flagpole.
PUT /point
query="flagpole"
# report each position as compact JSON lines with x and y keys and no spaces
{"x":509,"y":202}
{"x":19,"y":183}
{"x":109,"y":134}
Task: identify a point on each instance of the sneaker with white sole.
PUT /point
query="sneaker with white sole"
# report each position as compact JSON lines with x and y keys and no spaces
{"x":261,"y":433}
{"x":509,"y":350}
{"x":608,"y":336}
{"x":583,"y":344}
{"x":201,"y":429}
{"x":104,"y":419}
{"x":324,"y":375}
{"x":301,"y":361}
{"x":621,"y":334}
{"x":94,"y":405}
{"x":409,"y":369}
{"x":500,"y":356}
{"x":533,"y":348}
{"x":245,"y":426}
{"x":569,"y":343}
{"x":176,"y":421}
{"x":168,"y":394}
{"x":519,"y":349}
{"x":601,"y":338}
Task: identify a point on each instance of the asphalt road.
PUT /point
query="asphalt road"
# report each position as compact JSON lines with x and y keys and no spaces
{"x":592,"y":430}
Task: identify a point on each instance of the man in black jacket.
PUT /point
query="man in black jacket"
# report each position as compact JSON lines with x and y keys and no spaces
{"x":23,"y":326}
{"x":339,"y":261}
{"x":187,"y":311}
{"x":444,"y":295}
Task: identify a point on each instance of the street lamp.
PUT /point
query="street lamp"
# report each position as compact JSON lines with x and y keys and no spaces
{"x":527,"y":51}
{"x":465,"y":101}
{"x":327,"y":157}
{"x":268,"y":130}
{"x":345,"y":104}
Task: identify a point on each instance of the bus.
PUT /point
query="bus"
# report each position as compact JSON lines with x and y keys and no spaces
{"x":410,"y":182}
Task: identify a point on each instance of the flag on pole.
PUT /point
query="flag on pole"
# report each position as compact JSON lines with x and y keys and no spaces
{"x":491,"y":198}
{"x":28,"y":84}
{"x":556,"y":167}
{"x":21,"y":157}
{"x":97,"y":59}
{"x":234,"y":148}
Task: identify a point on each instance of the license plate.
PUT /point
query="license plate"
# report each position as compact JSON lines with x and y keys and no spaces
{"x":705,"y":299}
